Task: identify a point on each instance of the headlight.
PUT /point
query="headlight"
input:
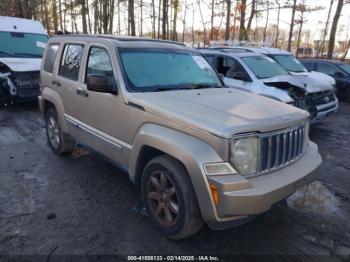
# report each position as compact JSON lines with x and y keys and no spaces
{"x":245,"y":154}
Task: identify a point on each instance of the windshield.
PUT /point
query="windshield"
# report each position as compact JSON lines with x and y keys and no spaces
{"x":161,"y":70}
{"x":263,"y":66}
{"x":289,"y":63}
{"x":26,"y":45}
{"x":345,"y":68}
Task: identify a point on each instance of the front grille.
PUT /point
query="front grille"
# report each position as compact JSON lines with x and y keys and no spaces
{"x":281,"y":148}
{"x":27,"y":83}
{"x":320,"y":98}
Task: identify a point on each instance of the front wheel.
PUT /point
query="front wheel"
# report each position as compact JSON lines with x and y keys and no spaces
{"x":59,"y":143}
{"x":169,"y":198}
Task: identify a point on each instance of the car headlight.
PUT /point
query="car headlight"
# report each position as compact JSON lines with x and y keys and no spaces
{"x":245,"y":154}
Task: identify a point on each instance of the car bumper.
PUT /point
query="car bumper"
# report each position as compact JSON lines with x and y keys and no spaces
{"x":324,"y":111}
{"x":240,"y":198}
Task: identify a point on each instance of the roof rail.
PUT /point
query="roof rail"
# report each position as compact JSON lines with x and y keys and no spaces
{"x":240,"y":43}
{"x":121,"y":38}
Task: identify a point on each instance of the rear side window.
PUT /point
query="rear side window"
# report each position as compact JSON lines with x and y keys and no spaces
{"x":327,"y":68}
{"x":70,"y":61}
{"x":309,"y":65}
{"x":50,"y":57}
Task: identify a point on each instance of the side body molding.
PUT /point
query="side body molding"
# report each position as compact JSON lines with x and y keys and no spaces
{"x":192,"y":152}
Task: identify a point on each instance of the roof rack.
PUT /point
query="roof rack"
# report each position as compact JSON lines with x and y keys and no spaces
{"x":122,"y":38}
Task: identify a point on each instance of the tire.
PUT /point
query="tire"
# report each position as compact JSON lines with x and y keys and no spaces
{"x":59,"y":142}
{"x":166,"y":187}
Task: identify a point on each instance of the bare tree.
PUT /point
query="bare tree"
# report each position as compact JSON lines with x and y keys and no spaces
{"x":228,"y":19}
{"x":334,"y":29}
{"x":242,"y":30}
{"x":294,"y":6}
{"x":131,"y":18}
{"x":251,"y":16}
{"x":325,"y":31}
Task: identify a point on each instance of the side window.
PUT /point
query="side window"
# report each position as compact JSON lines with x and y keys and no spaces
{"x":231,"y":68}
{"x":50,"y":57}
{"x":70,"y":62}
{"x":309,"y":65}
{"x":210,"y":59}
{"x":327,"y":68}
{"x":99,"y":62}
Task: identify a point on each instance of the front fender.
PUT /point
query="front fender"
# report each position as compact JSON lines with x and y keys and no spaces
{"x":192,"y":152}
{"x":50,"y":95}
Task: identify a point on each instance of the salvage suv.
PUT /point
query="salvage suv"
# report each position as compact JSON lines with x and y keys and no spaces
{"x":198,"y":151}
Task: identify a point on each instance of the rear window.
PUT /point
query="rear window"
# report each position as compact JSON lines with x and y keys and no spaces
{"x":50,"y":57}
{"x":70,"y":62}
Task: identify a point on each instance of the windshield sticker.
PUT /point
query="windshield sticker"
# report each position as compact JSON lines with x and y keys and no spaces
{"x":201,"y":62}
{"x":40,"y":44}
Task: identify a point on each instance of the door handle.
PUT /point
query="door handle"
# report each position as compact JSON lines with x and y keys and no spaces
{"x":56,"y":83}
{"x":82,"y":92}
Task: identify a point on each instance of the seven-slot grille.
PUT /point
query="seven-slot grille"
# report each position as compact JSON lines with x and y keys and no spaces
{"x":279,"y":149}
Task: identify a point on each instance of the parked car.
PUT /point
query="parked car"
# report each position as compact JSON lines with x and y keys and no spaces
{"x":262,"y":75}
{"x":198,"y":151}
{"x":336,"y":69}
{"x":305,"y":52}
{"x":287,"y":61}
{"x":21,"y":48}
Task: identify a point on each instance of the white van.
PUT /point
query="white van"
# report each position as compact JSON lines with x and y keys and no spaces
{"x":22,"y":45}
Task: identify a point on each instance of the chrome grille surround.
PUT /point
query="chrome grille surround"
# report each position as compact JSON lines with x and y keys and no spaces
{"x":278,"y":149}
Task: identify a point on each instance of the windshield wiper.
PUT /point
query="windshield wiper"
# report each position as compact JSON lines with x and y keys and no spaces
{"x":28,"y":55}
{"x":5,"y":53}
{"x":166,"y":88}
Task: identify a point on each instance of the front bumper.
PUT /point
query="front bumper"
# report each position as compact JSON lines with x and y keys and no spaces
{"x":324,"y":111}
{"x":240,"y":197}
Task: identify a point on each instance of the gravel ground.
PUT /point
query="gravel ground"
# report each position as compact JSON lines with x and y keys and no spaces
{"x":81,"y":204}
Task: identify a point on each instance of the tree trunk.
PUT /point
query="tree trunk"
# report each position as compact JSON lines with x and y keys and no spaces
{"x":250,"y":20}
{"x":184,"y":23}
{"x":141,"y":18}
{"x":153,"y":20}
{"x":60,"y":15}
{"x":131,"y":17}
{"x":242,"y":20}
{"x":111,"y":17}
{"x":88,"y":16}
{"x":212,"y":20}
{"x":325,"y":32}
{"x":54,"y":16}
{"x":176,"y":8}
{"x":278,"y":22}
{"x":300,"y":31}
{"x":193,"y":26}
{"x":267,"y":21}
{"x":95,"y":7}
{"x":289,"y":47}
{"x":228,"y":20}
{"x":334,"y":29}
{"x":83,"y":16}
{"x":164,"y":19}
{"x":234,"y":24}
{"x":159,"y":9}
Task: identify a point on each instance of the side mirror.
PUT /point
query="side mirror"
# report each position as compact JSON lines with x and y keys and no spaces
{"x":100,"y":83}
{"x":239,"y":76}
{"x":339,"y":74}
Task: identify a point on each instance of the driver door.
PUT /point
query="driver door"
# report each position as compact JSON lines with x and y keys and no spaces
{"x":103,"y":115}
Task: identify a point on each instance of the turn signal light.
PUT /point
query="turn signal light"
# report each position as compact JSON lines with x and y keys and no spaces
{"x":214,"y":193}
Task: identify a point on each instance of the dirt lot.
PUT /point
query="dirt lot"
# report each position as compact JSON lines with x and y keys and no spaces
{"x":81,"y":204}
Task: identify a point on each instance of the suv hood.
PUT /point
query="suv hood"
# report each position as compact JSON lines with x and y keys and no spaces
{"x":222,"y":112}
{"x":318,"y":76}
{"x":22,"y":64}
{"x":304,"y":82}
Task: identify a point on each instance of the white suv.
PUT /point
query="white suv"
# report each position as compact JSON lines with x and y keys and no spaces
{"x":260,"y":74}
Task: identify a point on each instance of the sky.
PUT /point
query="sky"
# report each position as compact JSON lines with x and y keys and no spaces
{"x":312,"y":19}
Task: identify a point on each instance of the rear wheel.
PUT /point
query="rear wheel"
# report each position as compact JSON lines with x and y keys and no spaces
{"x":58,"y":141}
{"x":169,"y":198}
